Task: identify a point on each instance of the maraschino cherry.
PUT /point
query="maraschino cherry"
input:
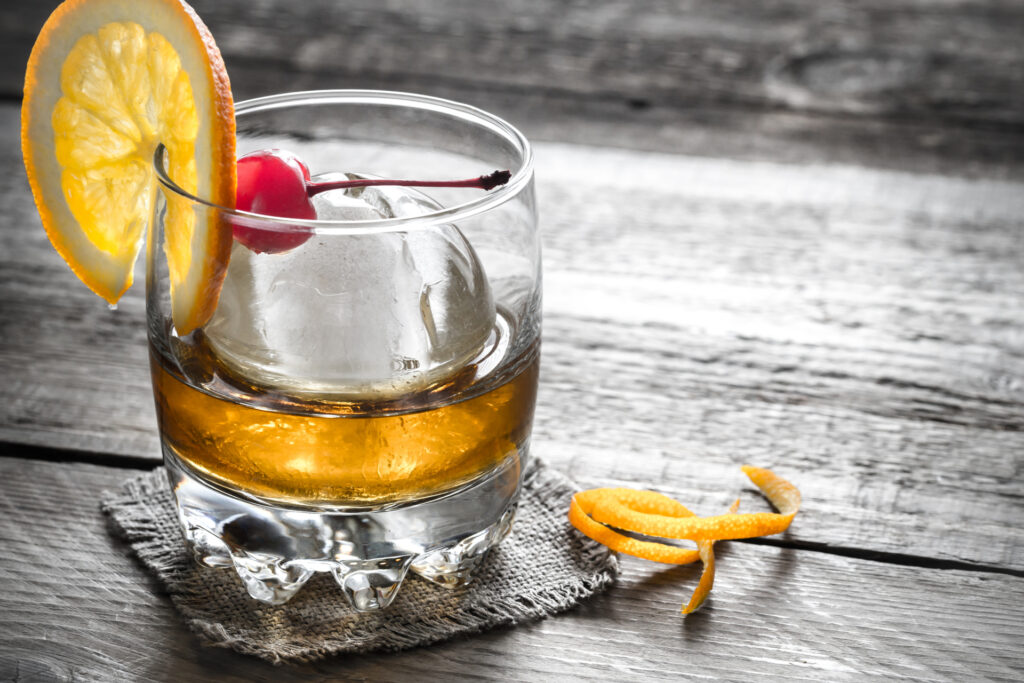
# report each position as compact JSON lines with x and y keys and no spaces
{"x":275,"y":182}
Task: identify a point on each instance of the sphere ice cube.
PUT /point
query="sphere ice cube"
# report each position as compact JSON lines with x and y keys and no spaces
{"x":362,"y":314}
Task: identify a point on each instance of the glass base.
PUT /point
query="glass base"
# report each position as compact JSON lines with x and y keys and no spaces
{"x":276,"y":549}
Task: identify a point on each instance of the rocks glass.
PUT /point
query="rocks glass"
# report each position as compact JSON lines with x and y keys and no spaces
{"x":359,"y":403}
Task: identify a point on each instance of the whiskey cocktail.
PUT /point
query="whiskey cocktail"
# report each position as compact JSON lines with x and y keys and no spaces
{"x":360,"y":401}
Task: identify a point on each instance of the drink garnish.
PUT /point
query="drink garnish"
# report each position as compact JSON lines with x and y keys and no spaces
{"x":276,"y":182}
{"x":107,"y":81}
{"x":597,"y":511}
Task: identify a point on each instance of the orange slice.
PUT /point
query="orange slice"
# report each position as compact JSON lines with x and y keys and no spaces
{"x":107,"y":81}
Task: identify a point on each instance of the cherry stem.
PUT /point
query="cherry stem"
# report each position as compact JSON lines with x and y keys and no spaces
{"x":484,"y":182}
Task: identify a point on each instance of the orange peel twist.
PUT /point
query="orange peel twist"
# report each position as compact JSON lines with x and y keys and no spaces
{"x":707,"y":575}
{"x":582,"y":506}
{"x":594,"y":512}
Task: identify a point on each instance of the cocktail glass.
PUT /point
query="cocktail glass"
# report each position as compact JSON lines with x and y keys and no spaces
{"x":361,"y":403}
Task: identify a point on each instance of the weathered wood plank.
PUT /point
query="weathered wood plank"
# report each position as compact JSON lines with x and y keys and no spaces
{"x":909,"y":84}
{"x":75,"y":606}
{"x":947,"y":60}
{"x":859,"y":330}
{"x":814,"y":319}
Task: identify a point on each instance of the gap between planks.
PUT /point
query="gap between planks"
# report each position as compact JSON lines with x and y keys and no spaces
{"x":142,"y":463}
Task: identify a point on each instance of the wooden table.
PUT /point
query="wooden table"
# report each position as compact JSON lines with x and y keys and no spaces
{"x":785,"y":233}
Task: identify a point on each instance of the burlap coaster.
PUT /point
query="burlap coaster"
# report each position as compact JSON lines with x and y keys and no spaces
{"x":543,"y":567}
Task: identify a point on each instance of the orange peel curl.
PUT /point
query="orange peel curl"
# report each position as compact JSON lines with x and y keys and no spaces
{"x":632,"y":511}
{"x":594,"y":512}
{"x":707,"y":575}
{"x":582,"y":505}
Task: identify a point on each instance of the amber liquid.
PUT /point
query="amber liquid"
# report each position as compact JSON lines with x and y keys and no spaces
{"x":343,"y":452}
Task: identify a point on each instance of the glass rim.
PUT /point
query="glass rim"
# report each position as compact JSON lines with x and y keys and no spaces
{"x":492,"y":199}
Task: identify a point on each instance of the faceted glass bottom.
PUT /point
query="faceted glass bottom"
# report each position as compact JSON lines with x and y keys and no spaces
{"x":369,"y":552}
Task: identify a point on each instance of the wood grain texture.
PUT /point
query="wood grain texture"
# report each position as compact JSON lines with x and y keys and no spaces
{"x":76,"y":606}
{"x":902,"y":84}
{"x":858,"y":330}
{"x":769,"y":293}
{"x":828,"y":322}
{"x":939,"y":59}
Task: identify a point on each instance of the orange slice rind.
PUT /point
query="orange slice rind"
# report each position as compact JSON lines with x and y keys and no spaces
{"x":655,"y":515}
{"x":107,"y":81}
